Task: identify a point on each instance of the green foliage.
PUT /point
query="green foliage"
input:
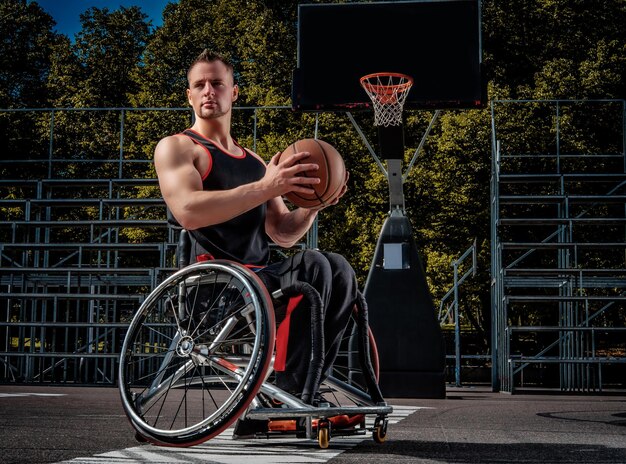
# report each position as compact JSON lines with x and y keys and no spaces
{"x":118,"y":39}
{"x":27,"y":37}
{"x":533,"y":49}
{"x":556,"y":48}
{"x":97,"y":71}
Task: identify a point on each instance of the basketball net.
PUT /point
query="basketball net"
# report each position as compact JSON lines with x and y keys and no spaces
{"x":388,"y":92}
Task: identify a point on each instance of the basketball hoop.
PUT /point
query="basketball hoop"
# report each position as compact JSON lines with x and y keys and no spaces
{"x":388,"y":92}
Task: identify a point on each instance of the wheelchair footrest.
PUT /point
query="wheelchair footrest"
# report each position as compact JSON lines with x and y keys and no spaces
{"x":319,"y":412}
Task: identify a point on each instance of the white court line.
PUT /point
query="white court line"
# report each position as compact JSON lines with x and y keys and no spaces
{"x":15,"y":395}
{"x":224,"y":450}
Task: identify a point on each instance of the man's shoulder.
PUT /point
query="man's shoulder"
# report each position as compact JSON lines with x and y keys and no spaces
{"x":173,"y":145}
{"x":175,"y":141}
{"x":179,"y":139}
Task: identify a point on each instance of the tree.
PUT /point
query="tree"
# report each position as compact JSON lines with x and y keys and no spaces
{"x":97,"y":71}
{"x":25,"y":50}
{"x":27,"y":36}
{"x":556,"y":48}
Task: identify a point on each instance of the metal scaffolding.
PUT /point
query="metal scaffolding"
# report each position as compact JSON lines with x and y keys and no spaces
{"x":79,"y":253}
{"x":558,"y":207}
{"x":83,"y":238}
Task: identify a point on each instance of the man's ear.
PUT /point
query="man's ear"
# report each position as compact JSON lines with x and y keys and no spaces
{"x":188,"y":92}
{"x":235,"y":92}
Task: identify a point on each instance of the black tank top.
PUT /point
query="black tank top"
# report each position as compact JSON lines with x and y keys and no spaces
{"x":243,"y":238}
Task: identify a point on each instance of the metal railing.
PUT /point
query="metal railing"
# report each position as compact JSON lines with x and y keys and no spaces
{"x":558,"y":241}
{"x":83,"y":236}
{"x":450,"y":312}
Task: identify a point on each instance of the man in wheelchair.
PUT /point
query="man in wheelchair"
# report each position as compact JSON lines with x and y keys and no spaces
{"x":230,"y":202}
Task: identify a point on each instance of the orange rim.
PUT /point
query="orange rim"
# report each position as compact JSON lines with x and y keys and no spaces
{"x":386,"y":89}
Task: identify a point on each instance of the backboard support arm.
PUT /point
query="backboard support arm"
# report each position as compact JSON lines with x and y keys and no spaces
{"x":393,"y":152}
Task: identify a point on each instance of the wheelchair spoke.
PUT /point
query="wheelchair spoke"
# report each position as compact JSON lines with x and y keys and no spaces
{"x":164,"y":396}
{"x":170,"y":300}
{"x":152,"y":375}
{"x":148,"y":376}
{"x":210,"y":309}
{"x":182,"y":400}
{"x":196,"y":353}
{"x":214,"y":327}
{"x":193,"y":305}
{"x":149,"y":327}
{"x":157,"y":391}
{"x":248,"y":326}
{"x":141,"y":357}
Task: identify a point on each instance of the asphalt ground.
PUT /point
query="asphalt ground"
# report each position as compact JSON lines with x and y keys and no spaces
{"x":41,"y":424}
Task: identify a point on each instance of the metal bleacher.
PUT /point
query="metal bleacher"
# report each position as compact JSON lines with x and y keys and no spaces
{"x":559,"y":245}
{"x":83,"y":235}
{"x":72,"y":274}
{"x":83,"y":239}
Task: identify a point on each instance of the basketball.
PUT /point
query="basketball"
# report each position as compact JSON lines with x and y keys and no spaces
{"x":332,"y":173}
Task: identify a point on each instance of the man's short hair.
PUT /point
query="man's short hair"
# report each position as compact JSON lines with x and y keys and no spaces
{"x":208,"y":56}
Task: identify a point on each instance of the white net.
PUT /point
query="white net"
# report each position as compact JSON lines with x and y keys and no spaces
{"x":388,"y":92}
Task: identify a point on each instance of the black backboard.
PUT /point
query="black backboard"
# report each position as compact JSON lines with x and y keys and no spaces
{"x":437,"y":42}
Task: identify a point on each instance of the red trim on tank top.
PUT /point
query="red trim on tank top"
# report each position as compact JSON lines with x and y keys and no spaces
{"x":253,"y":154}
{"x":208,"y":152}
{"x":220,"y":148}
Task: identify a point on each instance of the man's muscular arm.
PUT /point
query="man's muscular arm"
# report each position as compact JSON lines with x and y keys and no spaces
{"x":181,"y":185}
{"x":286,"y":227}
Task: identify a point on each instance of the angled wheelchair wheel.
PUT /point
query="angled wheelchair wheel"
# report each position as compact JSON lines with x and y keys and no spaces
{"x":354,"y":375}
{"x":196,"y":353}
{"x":348,"y":366}
{"x":352,"y":381}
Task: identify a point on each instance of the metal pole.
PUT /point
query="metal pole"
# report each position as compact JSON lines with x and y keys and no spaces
{"x":421,"y":144}
{"x":317,"y":125}
{"x":457,"y":328}
{"x":366,"y":143}
{"x":254,"y":130}
{"x":558,"y":138}
{"x":50,"y":149}
{"x":495,"y":263}
{"x":624,"y":132}
{"x":119,"y":169}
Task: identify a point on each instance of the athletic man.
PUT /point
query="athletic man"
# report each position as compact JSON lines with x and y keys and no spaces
{"x":230,"y":201}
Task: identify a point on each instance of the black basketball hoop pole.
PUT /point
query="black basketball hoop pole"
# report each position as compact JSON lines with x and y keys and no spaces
{"x":401,"y":310}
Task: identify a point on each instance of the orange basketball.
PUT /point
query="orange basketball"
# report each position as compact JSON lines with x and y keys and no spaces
{"x":332,"y":173}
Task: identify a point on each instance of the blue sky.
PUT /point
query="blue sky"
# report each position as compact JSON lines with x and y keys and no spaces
{"x":66,"y":13}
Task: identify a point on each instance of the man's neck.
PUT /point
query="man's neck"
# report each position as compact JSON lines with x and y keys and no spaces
{"x":216,"y":130}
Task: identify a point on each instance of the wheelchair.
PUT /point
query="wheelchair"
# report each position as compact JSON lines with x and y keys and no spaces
{"x":200,"y":353}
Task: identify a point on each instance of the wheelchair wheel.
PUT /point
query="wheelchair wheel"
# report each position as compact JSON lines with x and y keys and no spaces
{"x":347,"y":367}
{"x":347,"y":385}
{"x":196,"y":353}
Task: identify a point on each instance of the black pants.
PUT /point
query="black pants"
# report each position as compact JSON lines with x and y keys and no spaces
{"x":333,"y":277}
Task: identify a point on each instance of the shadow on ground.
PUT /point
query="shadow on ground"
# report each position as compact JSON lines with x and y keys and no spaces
{"x":453,"y":452}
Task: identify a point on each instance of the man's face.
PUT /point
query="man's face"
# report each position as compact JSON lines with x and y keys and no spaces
{"x":211,"y":90}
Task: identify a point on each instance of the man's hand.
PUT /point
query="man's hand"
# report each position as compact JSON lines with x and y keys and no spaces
{"x":344,"y":189}
{"x":283,"y":175}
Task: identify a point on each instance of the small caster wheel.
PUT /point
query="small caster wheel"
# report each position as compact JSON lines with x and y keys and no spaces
{"x":380,"y":431}
{"x":323,"y":433}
